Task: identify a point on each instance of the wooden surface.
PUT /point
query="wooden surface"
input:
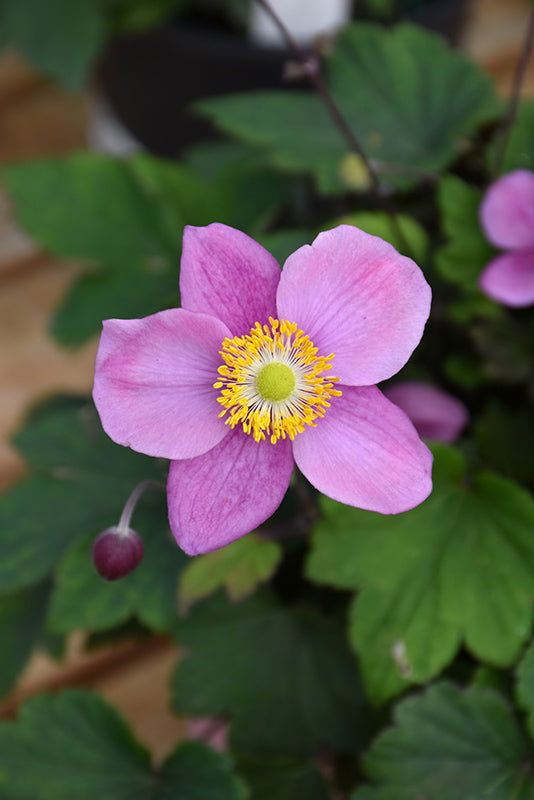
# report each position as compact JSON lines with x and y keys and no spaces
{"x":38,"y":119}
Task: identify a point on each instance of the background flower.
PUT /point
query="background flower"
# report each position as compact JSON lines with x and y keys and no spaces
{"x":435,"y":414}
{"x":507,"y":217}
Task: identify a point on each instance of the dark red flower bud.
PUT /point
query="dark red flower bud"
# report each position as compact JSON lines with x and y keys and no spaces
{"x":116,"y":553}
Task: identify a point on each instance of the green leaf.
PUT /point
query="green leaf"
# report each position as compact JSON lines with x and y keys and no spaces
{"x":448,"y":744}
{"x":180,"y":195}
{"x":503,"y":437}
{"x":125,"y":218}
{"x":60,"y":38}
{"x":408,"y":98}
{"x":109,"y":294}
{"x":110,"y":213}
{"x":525,"y":686}
{"x":21,"y":621}
{"x":403,"y":232}
{"x":74,"y":744}
{"x":94,"y":208}
{"x":282,"y":780}
{"x":519,"y":153}
{"x":244,"y":190}
{"x":194,"y":772}
{"x":285,"y":677}
{"x":134,"y":15}
{"x":466,"y":252}
{"x":240,"y":568}
{"x":294,"y":128}
{"x":82,"y":483}
{"x":281,"y":244}
{"x":458,"y":568}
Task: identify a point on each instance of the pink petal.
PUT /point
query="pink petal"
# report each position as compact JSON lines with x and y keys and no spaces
{"x":366,"y":453}
{"x":507,"y":211}
{"x":154,"y":383}
{"x":355,"y":296}
{"x":509,"y":279}
{"x":435,"y":414}
{"x":226,"y":493}
{"x":227,"y":274}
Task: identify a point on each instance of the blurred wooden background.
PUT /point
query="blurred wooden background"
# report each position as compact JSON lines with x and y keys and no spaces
{"x":38,"y":119}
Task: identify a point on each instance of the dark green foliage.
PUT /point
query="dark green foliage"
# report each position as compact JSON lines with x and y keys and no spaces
{"x":285,"y":677}
{"x":402,"y":111}
{"x":75,"y":744}
{"x":449,"y":744}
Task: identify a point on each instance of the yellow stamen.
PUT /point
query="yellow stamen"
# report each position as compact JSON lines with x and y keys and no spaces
{"x":272,"y":381}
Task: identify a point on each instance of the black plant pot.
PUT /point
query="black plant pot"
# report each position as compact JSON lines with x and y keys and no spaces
{"x":151,"y":79}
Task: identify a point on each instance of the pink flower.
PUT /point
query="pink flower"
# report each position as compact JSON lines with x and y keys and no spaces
{"x":435,"y":414}
{"x":507,"y":217}
{"x":209,"y":730}
{"x":235,"y":386}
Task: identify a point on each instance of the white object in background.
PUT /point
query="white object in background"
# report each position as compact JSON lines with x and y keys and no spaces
{"x":305,"y":19}
{"x":105,"y":134}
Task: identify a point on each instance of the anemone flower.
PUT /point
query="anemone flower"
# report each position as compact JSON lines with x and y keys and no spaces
{"x":435,"y":414}
{"x":507,"y":217}
{"x":260,"y":369}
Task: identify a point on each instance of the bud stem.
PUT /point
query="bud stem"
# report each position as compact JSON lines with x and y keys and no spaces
{"x":123,"y":528}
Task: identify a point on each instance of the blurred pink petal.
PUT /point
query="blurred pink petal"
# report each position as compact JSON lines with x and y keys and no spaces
{"x":507,"y":216}
{"x":507,"y":211}
{"x":509,"y":279}
{"x":209,"y":730}
{"x":435,"y":414}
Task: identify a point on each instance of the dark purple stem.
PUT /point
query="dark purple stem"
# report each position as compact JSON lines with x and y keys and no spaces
{"x":312,"y":70}
{"x":515,"y":93}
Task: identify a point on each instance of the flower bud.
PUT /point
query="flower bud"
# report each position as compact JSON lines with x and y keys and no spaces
{"x":116,"y":552}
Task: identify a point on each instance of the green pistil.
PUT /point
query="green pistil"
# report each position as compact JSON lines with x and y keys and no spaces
{"x":275,"y":381}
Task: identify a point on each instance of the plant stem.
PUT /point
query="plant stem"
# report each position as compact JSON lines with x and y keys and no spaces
{"x":313,"y":72}
{"x":124,"y":522}
{"x":519,"y":77}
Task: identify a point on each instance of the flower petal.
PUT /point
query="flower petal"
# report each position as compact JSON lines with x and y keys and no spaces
{"x":366,"y":453}
{"x":435,"y":414}
{"x":509,"y":279}
{"x":154,"y":383}
{"x":507,"y":211}
{"x":356,"y":297}
{"x":227,"y":274}
{"x":226,"y":493}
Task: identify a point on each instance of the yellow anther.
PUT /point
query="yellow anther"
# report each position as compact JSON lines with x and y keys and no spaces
{"x":272,"y":381}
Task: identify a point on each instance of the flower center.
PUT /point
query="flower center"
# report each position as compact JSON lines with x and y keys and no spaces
{"x":272,"y":381}
{"x":276,"y":381}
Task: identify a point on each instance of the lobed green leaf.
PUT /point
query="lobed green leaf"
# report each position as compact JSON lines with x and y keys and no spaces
{"x":448,"y":744}
{"x":240,"y":568}
{"x":80,"y":483}
{"x":286,"y":677}
{"x":457,"y":569}
{"x":409,"y":99}
{"x":75,"y":745}
{"x":60,"y":38}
